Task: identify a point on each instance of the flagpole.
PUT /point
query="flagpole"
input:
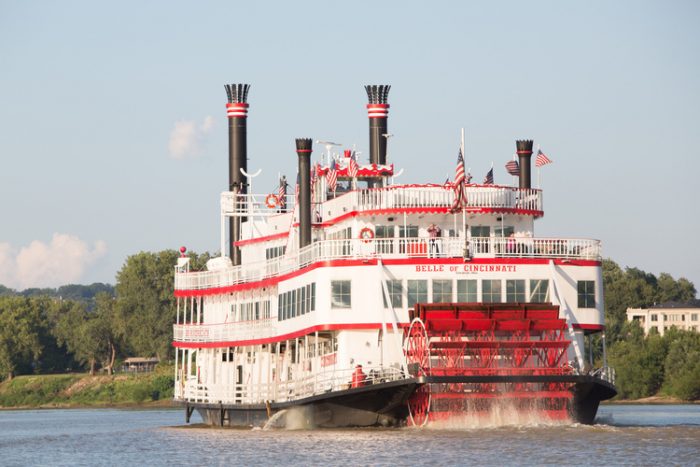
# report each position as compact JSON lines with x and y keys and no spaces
{"x":538,"y":168}
{"x":465,"y":253}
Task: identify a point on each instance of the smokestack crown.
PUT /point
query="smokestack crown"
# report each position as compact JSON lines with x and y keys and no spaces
{"x":304,"y":144}
{"x":237,"y":93}
{"x":377,"y":93}
{"x":524,"y":146}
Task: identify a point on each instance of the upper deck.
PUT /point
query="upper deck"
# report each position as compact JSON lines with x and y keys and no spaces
{"x":429,"y":197}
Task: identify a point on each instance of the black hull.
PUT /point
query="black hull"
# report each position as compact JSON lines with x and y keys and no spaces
{"x":382,"y":404}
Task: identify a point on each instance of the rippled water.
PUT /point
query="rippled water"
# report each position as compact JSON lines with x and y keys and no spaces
{"x":626,"y":435}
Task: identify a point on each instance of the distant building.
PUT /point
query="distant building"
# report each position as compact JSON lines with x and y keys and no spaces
{"x":662,"y":316}
{"x":139,"y":365}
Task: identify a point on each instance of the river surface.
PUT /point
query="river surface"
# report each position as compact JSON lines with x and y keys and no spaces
{"x":624,"y":435}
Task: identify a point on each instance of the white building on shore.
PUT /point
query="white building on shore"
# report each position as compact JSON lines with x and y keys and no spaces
{"x":665,"y":315}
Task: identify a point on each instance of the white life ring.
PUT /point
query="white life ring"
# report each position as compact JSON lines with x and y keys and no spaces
{"x":271,"y":201}
{"x":366,"y":234}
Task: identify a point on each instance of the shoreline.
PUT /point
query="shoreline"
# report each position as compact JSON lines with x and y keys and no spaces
{"x":151,"y":405}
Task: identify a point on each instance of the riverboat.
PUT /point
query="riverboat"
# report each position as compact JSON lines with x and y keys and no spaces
{"x":356,"y":301}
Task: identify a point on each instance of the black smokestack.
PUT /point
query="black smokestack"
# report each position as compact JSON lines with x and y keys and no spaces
{"x":524,"y":148}
{"x":237,"y":111}
{"x":378,"y":113}
{"x":304,"y":156}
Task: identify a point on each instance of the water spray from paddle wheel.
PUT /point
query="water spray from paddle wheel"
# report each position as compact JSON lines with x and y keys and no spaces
{"x":479,"y":358}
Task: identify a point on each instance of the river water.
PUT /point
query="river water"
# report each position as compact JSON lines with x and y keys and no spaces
{"x":624,"y":435}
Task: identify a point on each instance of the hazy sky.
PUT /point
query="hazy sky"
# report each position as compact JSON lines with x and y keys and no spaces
{"x":113,"y":136}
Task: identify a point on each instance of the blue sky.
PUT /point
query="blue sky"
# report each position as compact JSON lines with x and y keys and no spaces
{"x":113,"y":127}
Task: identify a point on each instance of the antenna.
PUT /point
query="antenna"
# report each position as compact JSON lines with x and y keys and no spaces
{"x":329,"y":145}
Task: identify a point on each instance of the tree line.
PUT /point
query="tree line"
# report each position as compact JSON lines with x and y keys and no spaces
{"x":85,"y":327}
{"x":79,"y":327}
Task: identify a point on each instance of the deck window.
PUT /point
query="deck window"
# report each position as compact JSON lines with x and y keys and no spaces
{"x":417,"y":292}
{"x":395,"y":293}
{"x":515,"y":290}
{"x":341,"y":294}
{"x":586,"y":294}
{"x":491,"y":290}
{"x":480,"y":238}
{"x":466,"y":290}
{"x":442,"y":290}
{"x":539,"y":290}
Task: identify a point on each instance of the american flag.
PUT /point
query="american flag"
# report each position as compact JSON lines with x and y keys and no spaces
{"x":312,"y":180}
{"x":282,"y":193}
{"x":488,"y":179}
{"x":332,"y":177}
{"x":541,"y":159}
{"x":513,"y":168}
{"x":458,"y":186}
{"x":353,"y":168}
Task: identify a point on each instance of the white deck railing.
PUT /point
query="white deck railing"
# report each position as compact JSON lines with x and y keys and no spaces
{"x":224,"y":332}
{"x":282,"y":391}
{"x":394,"y":197}
{"x":449,"y":247}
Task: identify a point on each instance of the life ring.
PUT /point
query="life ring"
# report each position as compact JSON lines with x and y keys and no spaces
{"x":366,"y":234}
{"x":271,"y":201}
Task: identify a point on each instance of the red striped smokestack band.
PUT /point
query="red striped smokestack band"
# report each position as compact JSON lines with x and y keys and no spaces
{"x":237,"y":110}
{"x":377,"y":110}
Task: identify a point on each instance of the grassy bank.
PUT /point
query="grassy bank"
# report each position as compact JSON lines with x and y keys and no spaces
{"x":83,"y":390}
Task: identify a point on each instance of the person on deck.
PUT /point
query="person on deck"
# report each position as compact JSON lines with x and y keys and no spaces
{"x":434,"y":233}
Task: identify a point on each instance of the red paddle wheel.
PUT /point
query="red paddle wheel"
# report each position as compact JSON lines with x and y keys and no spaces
{"x":477,"y":357}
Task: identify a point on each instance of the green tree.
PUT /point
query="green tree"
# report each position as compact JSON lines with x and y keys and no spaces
{"x":90,"y":335}
{"x":670,"y":290}
{"x":20,"y":321}
{"x":145,"y":302}
{"x":682,"y":364}
{"x":638,"y":361}
{"x":145,"y":308}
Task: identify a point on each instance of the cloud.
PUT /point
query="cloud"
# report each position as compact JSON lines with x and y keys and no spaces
{"x":61,"y":261}
{"x":187,"y":138}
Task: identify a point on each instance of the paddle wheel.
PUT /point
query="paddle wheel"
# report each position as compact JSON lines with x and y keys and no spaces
{"x":476,"y":358}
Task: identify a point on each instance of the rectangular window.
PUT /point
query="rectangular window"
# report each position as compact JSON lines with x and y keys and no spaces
{"x":442,"y":290}
{"x":586,"y":294}
{"x":340,"y":294}
{"x":515,"y":290}
{"x":480,"y":238}
{"x":395,"y":293}
{"x":694,"y":317}
{"x":417,"y":291}
{"x":491,"y":290}
{"x":466,"y":290}
{"x":313,"y":296}
{"x":539,"y":290}
{"x":303,"y":310}
{"x":654,"y":317}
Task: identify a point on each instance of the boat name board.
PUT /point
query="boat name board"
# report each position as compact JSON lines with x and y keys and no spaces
{"x":469,"y":268}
